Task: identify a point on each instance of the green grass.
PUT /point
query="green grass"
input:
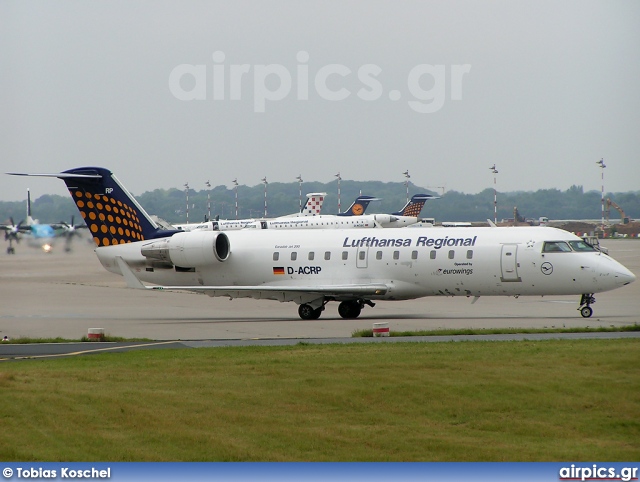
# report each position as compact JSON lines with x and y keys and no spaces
{"x":468,"y":401}
{"x":500,"y":331}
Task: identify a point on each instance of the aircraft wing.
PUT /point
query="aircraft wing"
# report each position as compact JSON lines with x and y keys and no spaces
{"x":274,"y":292}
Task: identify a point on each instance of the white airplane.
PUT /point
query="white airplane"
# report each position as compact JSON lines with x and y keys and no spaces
{"x":39,"y":235}
{"x":354,"y":217}
{"x":312,"y":207}
{"x":299,"y":220}
{"x":352,"y":267}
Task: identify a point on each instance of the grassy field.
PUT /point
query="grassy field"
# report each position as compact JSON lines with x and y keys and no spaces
{"x":467,"y":401}
{"x":501,"y":331}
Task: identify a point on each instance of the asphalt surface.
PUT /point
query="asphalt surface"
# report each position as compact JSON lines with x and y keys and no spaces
{"x":65,"y":294}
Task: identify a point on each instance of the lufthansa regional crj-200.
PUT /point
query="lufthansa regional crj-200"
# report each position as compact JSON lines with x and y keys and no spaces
{"x":354,"y":267}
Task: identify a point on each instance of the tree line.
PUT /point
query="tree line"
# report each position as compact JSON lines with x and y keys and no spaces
{"x":284,"y":198}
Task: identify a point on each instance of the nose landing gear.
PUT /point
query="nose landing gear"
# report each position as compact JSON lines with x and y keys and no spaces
{"x":585,"y":309}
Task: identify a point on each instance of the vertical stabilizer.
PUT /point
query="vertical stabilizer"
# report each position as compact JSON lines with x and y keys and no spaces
{"x":359,"y":206}
{"x":414,"y":206}
{"x":109,"y":210}
{"x":29,"y":221}
{"x":313,"y":205}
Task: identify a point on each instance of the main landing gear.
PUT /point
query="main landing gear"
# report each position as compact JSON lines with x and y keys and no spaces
{"x":585,"y":309}
{"x":349,"y":309}
{"x":307,"y":312}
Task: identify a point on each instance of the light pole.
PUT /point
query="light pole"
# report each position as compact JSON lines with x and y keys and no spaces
{"x":602,"y":166}
{"x":299,"y":179}
{"x":406,"y":183}
{"x":208,"y":184}
{"x":235,"y":188}
{"x":264,"y":181}
{"x":186,"y":189}
{"x":339,"y":179}
{"x":495,"y":195}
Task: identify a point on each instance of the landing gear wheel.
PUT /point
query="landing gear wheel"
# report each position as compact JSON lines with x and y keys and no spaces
{"x":307,"y":312}
{"x":349,"y":309}
{"x":586,"y":311}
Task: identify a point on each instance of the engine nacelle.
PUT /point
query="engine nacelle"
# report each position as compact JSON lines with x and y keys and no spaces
{"x":190,"y":249}
{"x":384,"y":219}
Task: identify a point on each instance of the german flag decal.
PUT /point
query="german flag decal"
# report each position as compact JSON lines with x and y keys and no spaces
{"x":278,"y":270}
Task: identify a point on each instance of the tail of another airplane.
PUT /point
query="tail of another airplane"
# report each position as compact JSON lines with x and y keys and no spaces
{"x":110,"y":211}
{"x":359,"y":206}
{"x":414,"y":206}
{"x":29,"y":221}
{"x":313,"y":205}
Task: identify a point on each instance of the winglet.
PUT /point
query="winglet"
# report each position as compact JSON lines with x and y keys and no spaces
{"x":129,"y":276}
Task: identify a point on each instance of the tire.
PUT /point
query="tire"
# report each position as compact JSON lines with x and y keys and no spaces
{"x":306,"y":312}
{"x":317,"y":313}
{"x":586,"y":311}
{"x":349,"y":309}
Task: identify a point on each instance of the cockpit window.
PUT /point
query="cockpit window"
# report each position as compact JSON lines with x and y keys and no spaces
{"x":581,"y":246}
{"x":556,"y":247}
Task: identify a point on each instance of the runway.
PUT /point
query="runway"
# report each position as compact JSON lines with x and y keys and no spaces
{"x":64,"y":294}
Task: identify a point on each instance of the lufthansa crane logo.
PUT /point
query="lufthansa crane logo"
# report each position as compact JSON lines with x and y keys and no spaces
{"x":357,"y":209}
{"x":546,"y":268}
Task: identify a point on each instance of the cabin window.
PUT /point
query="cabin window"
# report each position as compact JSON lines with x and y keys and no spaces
{"x":396,"y":255}
{"x":361,"y":255}
{"x":311,"y":256}
{"x":294,"y":256}
{"x":327,"y":255}
{"x":276,"y":256}
{"x":414,"y":255}
{"x":470,"y":254}
{"x":556,"y":247}
{"x":451,"y":253}
{"x":345,"y":255}
{"x":432,"y":254}
{"x":378,"y":254}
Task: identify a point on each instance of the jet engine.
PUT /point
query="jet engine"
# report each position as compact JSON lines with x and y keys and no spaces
{"x":189,"y":249}
{"x":385,"y":219}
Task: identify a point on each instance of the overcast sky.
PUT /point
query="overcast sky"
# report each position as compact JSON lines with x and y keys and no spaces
{"x":369,"y":89}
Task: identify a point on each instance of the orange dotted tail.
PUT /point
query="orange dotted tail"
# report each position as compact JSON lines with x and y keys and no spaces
{"x":414,"y":209}
{"x":110,"y":221}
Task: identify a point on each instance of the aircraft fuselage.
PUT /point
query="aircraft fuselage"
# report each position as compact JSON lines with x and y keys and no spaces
{"x":410,"y":263}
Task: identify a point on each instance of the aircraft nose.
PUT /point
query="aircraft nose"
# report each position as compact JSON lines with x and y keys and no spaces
{"x":625,"y":276}
{"x":613,"y":273}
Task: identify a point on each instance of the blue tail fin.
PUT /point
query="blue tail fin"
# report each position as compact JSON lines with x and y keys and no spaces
{"x":359,"y":206}
{"x":110,"y":211}
{"x":414,"y":206}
